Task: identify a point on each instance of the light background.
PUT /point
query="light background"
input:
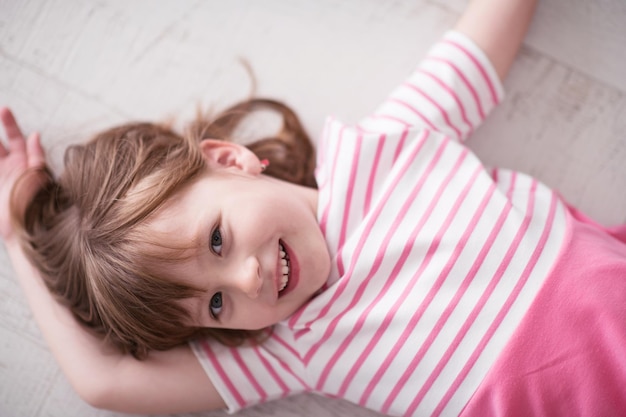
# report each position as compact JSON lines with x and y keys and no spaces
{"x":69,"y":68}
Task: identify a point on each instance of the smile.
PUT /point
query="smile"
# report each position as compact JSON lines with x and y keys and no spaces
{"x":284,"y":261}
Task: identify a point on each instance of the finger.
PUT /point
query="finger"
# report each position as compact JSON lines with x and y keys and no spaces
{"x":36,"y":156}
{"x":3,"y":150}
{"x":16,"y":138}
{"x":10,"y":125}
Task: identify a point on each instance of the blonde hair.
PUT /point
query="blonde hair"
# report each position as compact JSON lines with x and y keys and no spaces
{"x":83,"y":230}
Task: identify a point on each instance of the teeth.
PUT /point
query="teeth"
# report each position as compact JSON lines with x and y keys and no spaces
{"x":283,"y":283}
{"x":285,"y":267}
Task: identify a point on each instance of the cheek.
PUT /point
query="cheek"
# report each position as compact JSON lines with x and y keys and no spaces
{"x":319,"y":259}
{"x":255,"y":208}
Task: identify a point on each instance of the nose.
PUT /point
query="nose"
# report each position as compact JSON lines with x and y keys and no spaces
{"x":248,"y":279}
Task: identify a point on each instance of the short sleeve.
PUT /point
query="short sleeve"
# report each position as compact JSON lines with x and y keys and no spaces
{"x":251,"y":374}
{"x":452,"y":90}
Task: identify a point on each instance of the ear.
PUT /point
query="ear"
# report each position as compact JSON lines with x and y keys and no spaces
{"x":222,"y":154}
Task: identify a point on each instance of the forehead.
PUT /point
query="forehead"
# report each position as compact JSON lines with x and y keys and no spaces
{"x":182,"y":212}
{"x":174,"y":232}
{"x":174,"y":221}
{"x":171,"y":256}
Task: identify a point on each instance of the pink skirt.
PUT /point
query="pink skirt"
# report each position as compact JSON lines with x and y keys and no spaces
{"x":568,"y":356}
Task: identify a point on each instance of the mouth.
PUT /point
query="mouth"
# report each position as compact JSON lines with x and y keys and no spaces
{"x":285,"y":270}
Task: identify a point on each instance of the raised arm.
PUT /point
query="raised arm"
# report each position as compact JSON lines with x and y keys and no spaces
{"x":498,"y":27}
{"x":166,"y":382}
{"x":458,"y":82}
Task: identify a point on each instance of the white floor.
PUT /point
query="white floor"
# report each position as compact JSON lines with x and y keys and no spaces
{"x":69,"y":68}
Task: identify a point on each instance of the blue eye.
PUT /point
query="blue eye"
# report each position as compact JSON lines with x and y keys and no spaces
{"x":216,"y":241}
{"x":215,"y":306}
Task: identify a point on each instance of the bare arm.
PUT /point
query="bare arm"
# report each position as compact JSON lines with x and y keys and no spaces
{"x":498,"y":27}
{"x":166,"y":382}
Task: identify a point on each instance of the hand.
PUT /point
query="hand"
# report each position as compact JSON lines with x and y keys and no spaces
{"x":17,"y":155}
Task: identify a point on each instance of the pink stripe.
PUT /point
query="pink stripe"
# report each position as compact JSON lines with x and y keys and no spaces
{"x":465,"y":80}
{"x":222,"y":374}
{"x":413,"y":110}
{"x":481,"y":69}
{"x":401,"y":141}
{"x":348,"y":203}
{"x":452,"y":94}
{"x":244,"y":368}
{"x":291,"y":322}
{"x":295,"y":317}
{"x":505,"y":308}
{"x":373,"y":172}
{"x":298,"y":334}
{"x":407,"y":248}
{"x":342,"y":283}
{"x":287,"y":368}
{"x":454,"y":303}
{"x":378,"y":262}
{"x":425,"y":346}
{"x":513,"y":180}
{"x":286,"y":345}
{"x":270,"y":369}
{"x":495,"y":279}
{"x":368,"y":227}
{"x":324,"y":217}
{"x":400,"y":146}
{"x":443,"y":112}
{"x":436,"y":286}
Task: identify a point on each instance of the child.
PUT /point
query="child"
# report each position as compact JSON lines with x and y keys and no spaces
{"x":415,"y":282}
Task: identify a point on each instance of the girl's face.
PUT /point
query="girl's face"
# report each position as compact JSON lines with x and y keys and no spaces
{"x":258,"y":252}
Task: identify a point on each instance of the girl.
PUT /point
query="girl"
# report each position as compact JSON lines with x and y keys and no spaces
{"x":414,"y":282}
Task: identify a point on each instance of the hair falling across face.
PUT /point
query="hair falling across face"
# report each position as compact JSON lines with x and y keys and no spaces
{"x":152,"y":238}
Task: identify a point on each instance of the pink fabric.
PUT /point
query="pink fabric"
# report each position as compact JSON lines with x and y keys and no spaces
{"x":568,"y":356}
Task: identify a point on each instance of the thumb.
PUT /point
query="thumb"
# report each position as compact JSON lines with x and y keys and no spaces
{"x":34,"y":151}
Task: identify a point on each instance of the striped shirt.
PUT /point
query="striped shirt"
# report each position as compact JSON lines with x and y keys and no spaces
{"x":436,"y":258}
